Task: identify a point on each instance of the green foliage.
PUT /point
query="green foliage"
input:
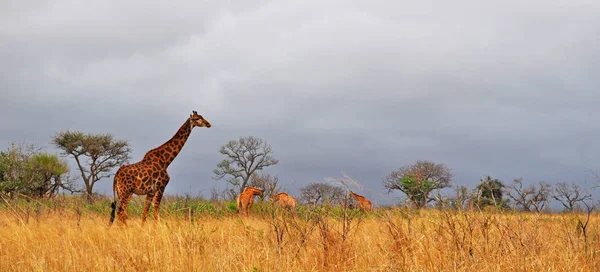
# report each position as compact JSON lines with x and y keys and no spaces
{"x":27,"y":170}
{"x":418,"y":180}
{"x":417,"y":188}
{"x":231,"y":206}
{"x":340,"y":212}
{"x":417,"y":191}
{"x":489,"y":192}
{"x":49,"y":164}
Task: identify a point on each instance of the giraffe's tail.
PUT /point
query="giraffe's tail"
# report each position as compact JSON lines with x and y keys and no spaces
{"x":113,"y":205}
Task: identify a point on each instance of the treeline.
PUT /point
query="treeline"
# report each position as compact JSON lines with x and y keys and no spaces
{"x":28,"y":170}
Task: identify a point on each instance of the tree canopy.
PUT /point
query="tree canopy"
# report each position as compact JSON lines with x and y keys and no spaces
{"x":321,"y":193}
{"x":96,"y":155}
{"x":489,"y":191}
{"x":418,"y":180}
{"x":243,"y":157}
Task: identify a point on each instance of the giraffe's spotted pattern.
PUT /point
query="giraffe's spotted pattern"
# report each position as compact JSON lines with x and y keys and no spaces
{"x":149,"y":176}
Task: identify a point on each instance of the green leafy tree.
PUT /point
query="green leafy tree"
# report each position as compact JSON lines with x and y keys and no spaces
{"x":489,"y":192}
{"x":243,"y":158}
{"x":51,"y":175}
{"x":17,"y":172}
{"x":418,"y":180}
{"x":27,"y":170}
{"x":96,"y":155}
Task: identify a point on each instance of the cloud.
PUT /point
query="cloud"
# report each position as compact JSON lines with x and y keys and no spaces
{"x":500,"y":88}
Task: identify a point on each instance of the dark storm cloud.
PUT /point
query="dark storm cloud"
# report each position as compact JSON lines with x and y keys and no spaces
{"x":501,"y":88}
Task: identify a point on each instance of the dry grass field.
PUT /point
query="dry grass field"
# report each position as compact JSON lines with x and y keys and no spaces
{"x":72,"y":236}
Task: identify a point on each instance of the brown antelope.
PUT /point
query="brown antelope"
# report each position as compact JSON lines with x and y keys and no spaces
{"x":364,"y":204}
{"x":246,"y":199}
{"x":286,"y":202}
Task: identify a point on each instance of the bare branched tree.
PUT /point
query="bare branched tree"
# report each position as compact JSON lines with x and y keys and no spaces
{"x":242,"y":158}
{"x":270,"y":185}
{"x":215,"y":195}
{"x":458,"y":201}
{"x":529,"y":198}
{"x":541,"y":197}
{"x":569,"y":195}
{"x":320,"y":193}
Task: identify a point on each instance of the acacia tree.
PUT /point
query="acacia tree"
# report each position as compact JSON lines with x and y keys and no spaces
{"x":243,"y":157}
{"x":418,"y":180}
{"x":96,"y":155}
{"x":570,"y":195}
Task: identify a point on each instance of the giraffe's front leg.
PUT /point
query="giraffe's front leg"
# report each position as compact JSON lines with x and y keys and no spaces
{"x":149,"y":198}
{"x":159,"y":189}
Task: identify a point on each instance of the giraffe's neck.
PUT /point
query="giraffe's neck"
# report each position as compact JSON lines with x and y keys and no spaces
{"x":168,"y":151}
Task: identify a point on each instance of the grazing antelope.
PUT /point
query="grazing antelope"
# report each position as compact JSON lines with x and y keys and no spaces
{"x":286,"y":201}
{"x":364,"y":204}
{"x":246,"y":199}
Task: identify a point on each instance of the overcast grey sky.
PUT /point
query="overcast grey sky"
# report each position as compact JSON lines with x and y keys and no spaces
{"x":501,"y":88}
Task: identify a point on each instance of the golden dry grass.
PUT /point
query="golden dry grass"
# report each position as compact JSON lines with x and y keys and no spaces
{"x":393,"y":240}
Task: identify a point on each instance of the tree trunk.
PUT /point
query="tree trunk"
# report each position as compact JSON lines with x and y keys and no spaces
{"x":244,"y":183}
{"x":90,"y":196}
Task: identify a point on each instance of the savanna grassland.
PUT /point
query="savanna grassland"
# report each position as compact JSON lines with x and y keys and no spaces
{"x":66,"y":234}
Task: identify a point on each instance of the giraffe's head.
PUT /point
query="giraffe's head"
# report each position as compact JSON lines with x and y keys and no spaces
{"x":353,"y":194}
{"x":255,"y":191}
{"x":198,"y":121}
{"x":277,"y":197}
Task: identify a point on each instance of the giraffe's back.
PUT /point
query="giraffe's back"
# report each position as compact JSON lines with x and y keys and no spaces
{"x":135,"y":178}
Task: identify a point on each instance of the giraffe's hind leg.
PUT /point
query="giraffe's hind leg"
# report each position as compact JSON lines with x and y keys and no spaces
{"x":122,"y":209}
{"x":147,"y":207}
{"x":157,"y":199}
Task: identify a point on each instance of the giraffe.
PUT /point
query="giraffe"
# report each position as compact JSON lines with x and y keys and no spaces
{"x":149,"y":176}
{"x":363,"y":203}
{"x":286,"y":201}
{"x":246,"y":199}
